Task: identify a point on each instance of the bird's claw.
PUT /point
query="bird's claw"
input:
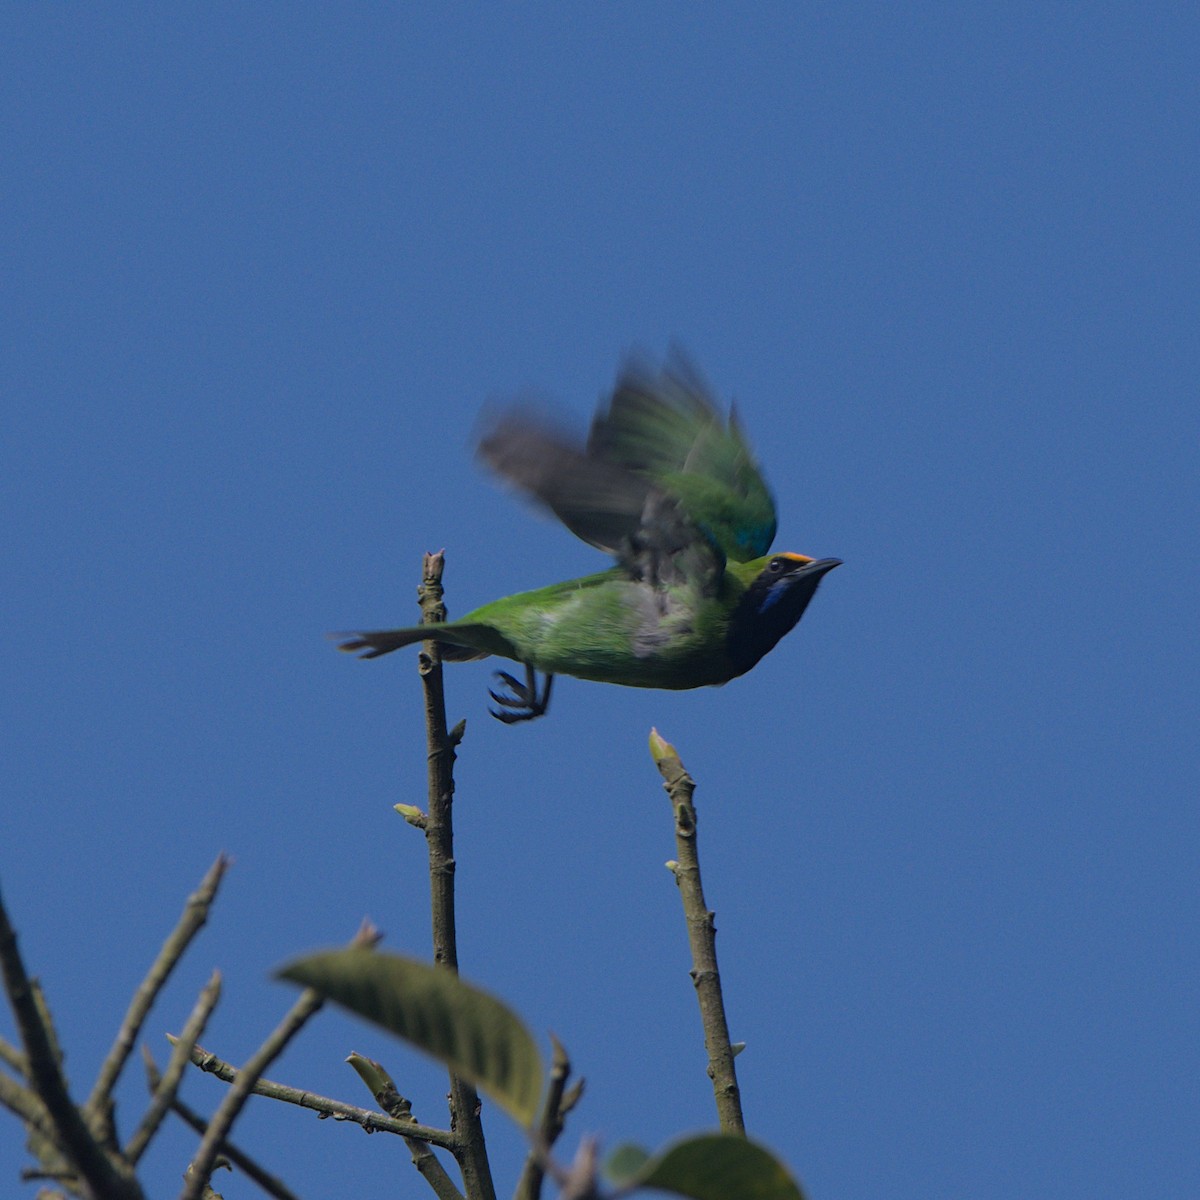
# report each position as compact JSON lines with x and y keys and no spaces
{"x":522,"y":698}
{"x":518,"y":689}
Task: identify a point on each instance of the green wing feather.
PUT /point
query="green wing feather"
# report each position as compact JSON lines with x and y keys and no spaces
{"x":665,"y":426}
{"x":665,"y":482}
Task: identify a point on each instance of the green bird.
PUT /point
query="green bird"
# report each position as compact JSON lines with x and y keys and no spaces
{"x":670,"y":488}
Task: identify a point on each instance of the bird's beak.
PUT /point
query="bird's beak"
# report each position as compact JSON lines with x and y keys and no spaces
{"x":818,"y":567}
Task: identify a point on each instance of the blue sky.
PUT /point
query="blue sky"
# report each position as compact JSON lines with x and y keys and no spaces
{"x":265,"y":265}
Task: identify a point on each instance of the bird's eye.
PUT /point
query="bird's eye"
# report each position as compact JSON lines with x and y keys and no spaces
{"x":775,"y":565}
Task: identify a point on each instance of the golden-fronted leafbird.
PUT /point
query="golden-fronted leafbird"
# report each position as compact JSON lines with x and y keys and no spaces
{"x":670,"y":488}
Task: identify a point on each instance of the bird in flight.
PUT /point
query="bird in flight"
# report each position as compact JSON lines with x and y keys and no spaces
{"x":669,"y":487}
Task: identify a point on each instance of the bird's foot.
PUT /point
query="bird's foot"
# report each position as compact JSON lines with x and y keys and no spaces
{"x":522,"y":702}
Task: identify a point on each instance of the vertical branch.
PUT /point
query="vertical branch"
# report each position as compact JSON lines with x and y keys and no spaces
{"x":439,"y":836}
{"x":101,"y":1174}
{"x":439,"y":829}
{"x":702,"y":935}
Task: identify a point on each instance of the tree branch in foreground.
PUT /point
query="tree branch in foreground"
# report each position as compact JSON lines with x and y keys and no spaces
{"x":269,"y":1183}
{"x":471,"y":1154}
{"x":559,"y":1102}
{"x":387,"y":1096}
{"x":196,"y":1178}
{"x":191,"y":921}
{"x":370,"y":1120}
{"x":105,"y":1176}
{"x":168,"y":1087}
{"x":702,"y":935}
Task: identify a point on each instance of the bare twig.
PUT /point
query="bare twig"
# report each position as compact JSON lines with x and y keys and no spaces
{"x":12,"y":1058}
{"x":439,"y":835}
{"x":106,"y":1177}
{"x":47,"y":1019}
{"x":24,"y":1104}
{"x":168,"y":1086}
{"x":558,"y":1103}
{"x":227,"y":1111}
{"x":323,"y":1105}
{"x":702,"y":935}
{"x":580,"y":1182}
{"x":269,"y":1183}
{"x":195,"y":914}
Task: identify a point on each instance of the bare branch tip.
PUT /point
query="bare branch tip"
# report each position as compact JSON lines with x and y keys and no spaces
{"x":561,"y":1057}
{"x":367,"y":936}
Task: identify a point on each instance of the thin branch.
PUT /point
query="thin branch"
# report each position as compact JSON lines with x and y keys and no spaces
{"x":580,"y":1182}
{"x":67,"y":1179}
{"x":12,"y":1058}
{"x":558,"y":1103}
{"x":439,"y":825}
{"x":229,"y":1108}
{"x":42,"y":1139}
{"x":323,"y":1105}
{"x":46,"y":1017}
{"x":106,"y":1178}
{"x":195,"y":914}
{"x":439,"y":835}
{"x":383,"y":1087}
{"x":55,"y":1164}
{"x":432,"y":1171}
{"x":269,"y":1183}
{"x":25,"y":1105}
{"x":702,"y":935}
{"x":168,"y":1088}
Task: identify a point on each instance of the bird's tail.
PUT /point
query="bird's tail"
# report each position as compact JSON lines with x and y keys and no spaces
{"x":384,"y":641}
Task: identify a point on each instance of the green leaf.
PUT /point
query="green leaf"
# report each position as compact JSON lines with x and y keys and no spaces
{"x":626,"y":1163}
{"x":472,"y":1032}
{"x":718,"y":1166}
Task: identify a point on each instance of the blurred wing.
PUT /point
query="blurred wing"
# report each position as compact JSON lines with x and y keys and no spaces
{"x":598,"y":501}
{"x":665,"y":426}
{"x":664,"y":483}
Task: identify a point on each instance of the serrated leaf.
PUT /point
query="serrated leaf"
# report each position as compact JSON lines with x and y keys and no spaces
{"x":719,"y":1166}
{"x":470,"y":1031}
